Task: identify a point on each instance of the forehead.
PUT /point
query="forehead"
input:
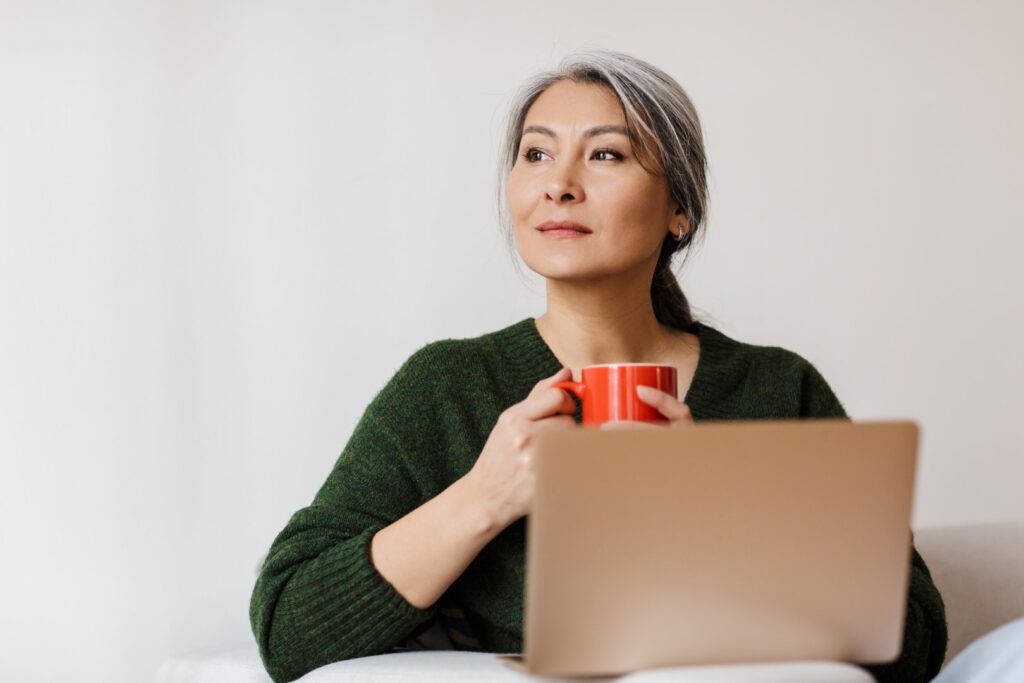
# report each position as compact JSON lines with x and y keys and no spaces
{"x":575,"y":105}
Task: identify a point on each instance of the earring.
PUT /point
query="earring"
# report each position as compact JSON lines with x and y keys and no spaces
{"x":681,"y":235}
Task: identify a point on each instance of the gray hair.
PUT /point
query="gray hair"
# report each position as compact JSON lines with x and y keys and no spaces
{"x":665,"y":133}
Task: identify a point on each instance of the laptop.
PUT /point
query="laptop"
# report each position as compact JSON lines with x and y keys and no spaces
{"x":717,"y":542}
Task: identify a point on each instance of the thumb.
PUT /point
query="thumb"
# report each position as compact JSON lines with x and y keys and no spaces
{"x":563,"y":374}
{"x":546,"y":383}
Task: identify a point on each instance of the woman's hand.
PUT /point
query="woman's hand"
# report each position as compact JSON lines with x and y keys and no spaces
{"x":677,"y":412}
{"x":503,"y":477}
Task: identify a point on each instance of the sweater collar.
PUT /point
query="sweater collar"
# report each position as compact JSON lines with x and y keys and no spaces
{"x":719,"y":370}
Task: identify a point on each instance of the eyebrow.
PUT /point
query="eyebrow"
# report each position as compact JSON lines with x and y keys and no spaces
{"x":589,"y":133}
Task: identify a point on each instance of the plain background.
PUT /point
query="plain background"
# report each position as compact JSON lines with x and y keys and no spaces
{"x":226,"y":224}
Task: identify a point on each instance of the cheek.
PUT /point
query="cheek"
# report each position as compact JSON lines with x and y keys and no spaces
{"x":633,"y":205}
{"x":516,"y":194}
{"x":514,"y":190}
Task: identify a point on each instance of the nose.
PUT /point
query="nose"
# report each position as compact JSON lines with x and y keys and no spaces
{"x":562,"y":184}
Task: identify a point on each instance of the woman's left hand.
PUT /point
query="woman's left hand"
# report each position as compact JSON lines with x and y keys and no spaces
{"x":677,"y":412}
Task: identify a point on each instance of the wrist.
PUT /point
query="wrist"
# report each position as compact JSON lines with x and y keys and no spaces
{"x":478,"y":508}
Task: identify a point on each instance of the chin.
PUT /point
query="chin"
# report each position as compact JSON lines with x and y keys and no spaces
{"x":563,"y":267}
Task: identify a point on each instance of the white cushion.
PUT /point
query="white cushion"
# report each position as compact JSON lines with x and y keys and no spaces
{"x":453,"y":666}
{"x":448,"y":666}
{"x":240,"y":665}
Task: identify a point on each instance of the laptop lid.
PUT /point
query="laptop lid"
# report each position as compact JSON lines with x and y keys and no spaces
{"x":718,"y":542}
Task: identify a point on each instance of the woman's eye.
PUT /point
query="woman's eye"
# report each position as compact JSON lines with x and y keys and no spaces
{"x":529,"y":154}
{"x":608,"y":151}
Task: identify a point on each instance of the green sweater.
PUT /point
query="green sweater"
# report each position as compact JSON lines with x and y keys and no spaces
{"x":319,"y":599}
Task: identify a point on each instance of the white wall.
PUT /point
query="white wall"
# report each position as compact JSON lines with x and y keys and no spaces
{"x":226,"y":224}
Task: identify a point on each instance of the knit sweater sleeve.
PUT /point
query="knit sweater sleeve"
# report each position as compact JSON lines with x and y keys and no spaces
{"x":925,"y":630}
{"x":318,"y":598}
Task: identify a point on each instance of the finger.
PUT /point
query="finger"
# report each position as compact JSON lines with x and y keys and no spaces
{"x":547,"y":402}
{"x":560,"y":376}
{"x":530,"y":409}
{"x":667,"y":405}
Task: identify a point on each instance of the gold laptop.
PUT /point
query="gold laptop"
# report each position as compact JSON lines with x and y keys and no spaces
{"x":718,"y":542}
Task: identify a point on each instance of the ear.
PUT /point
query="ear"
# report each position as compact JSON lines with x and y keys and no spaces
{"x":679,"y":217}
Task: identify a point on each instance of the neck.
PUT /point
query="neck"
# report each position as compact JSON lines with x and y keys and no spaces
{"x":587,"y":324}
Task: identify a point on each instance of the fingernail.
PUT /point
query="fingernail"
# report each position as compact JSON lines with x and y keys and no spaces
{"x":644,"y":390}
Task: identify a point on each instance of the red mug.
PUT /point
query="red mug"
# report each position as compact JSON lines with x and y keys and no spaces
{"x":608,"y":391}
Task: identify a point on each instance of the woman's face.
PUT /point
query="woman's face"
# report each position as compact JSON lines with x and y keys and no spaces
{"x":563,"y":172}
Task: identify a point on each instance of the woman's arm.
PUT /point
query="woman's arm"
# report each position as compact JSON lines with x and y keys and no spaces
{"x":423,"y":553}
{"x":319,"y":598}
{"x":355,"y":573}
{"x":328,"y":592}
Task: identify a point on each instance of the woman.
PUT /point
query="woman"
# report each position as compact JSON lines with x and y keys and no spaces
{"x":418,"y":530}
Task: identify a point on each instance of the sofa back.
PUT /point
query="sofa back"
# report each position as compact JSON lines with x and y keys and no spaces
{"x":979,"y":570}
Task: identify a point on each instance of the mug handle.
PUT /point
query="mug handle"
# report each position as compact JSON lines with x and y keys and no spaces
{"x":577,"y":388}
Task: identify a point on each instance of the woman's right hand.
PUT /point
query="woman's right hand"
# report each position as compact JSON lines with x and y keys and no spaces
{"x":503,"y":475}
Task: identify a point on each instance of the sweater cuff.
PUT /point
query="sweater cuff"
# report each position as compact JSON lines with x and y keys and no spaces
{"x":373,"y":616}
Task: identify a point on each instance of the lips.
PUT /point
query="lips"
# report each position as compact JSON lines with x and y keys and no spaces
{"x":563,"y":225}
